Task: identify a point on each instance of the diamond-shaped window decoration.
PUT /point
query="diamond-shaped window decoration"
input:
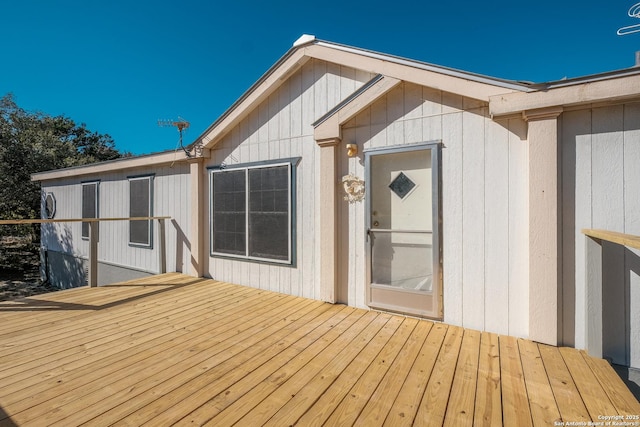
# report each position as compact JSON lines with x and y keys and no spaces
{"x":402,"y":185}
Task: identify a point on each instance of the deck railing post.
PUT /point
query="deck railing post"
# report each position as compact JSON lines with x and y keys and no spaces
{"x":162,"y":246}
{"x":94,"y":233}
{"x":593,"y":318}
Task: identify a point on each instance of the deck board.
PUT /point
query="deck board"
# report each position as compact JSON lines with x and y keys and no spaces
{"x":460,"y":408}
{"x":515,"y":404}
{"x":433,"y":406}
{"x":563,"y":386}
{"x":176,"y":350}
{"x":541,"y":401}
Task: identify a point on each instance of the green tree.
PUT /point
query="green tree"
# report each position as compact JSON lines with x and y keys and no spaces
{"x":35,"y":142}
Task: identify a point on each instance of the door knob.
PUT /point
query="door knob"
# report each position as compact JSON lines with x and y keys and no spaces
{"x":376,"y":223}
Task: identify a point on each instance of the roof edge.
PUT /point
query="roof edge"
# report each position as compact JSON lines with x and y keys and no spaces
{"x":123,"y":163}
{"x":247,"y":93}
{"x":453,"y":72}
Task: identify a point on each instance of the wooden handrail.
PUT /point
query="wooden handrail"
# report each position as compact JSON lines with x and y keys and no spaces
{"x":45,"y":221}
{"x":613,"y":236}
{"x":94,"y":235}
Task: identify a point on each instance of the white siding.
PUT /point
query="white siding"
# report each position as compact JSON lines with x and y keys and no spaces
{"x":485,"y":203}
{"x":170,"y":198}
{"x":279,"y":128}
{"x":601,"y":172}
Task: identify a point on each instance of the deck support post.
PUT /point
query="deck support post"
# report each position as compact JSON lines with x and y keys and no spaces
{"x":544,"y":248}
{"x":94,"y":233}
{"x":196,"y":235}
{"x":162,"y":247}
{"x":593,"y":298}
{"x":328,"y":221}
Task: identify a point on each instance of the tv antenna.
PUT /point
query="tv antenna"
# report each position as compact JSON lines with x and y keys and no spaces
{"x":181,"y":124}
{"x":634,"y":12}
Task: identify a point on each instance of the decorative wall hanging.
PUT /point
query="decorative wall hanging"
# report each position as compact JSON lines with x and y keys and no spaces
{"x":353,"y":188}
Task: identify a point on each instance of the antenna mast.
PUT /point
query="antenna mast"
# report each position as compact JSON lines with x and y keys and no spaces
{"x":181,"y":124}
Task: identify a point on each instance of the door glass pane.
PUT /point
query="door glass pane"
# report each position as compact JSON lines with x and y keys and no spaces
{"x":401,"y":220}
{"x":402,"y":260}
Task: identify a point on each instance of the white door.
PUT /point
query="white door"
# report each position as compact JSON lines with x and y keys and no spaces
{"x":403,"y":230}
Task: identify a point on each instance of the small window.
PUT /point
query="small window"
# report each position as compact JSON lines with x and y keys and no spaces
{"x":89,"y":205}
{"x":140,"y":205}
{"x":251,"y":212}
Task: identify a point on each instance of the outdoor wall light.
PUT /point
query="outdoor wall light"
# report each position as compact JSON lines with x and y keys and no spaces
{"x":352,"y":150}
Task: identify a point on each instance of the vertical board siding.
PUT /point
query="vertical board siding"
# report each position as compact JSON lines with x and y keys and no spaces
{"x":577,"y":214}
{"x":170,"y":198}
{"x":601,"y":172}
{"x":496,"y":195}
{"x":452,"y":205}
{"x":484,"y":198}
{"x":518,"y":257}
{"x":473,"y":214}
{"x":607,"y":156}
{"x":608,"y":213}
{"x":632,"y":225}
{"x":281,"y":127}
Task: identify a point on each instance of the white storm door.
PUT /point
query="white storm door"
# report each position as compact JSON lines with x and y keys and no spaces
{"x":403,"y":230}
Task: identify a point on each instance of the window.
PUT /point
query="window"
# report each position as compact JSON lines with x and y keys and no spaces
{"x":140,"y":205}
{"x":89,"y":205}
{"x":251,"y":211}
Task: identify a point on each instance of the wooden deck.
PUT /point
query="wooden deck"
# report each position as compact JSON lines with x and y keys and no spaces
{"x":173,"y":349}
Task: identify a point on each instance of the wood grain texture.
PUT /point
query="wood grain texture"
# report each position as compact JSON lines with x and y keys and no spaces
{"x":623,"y":239}
{"x":488,"y":405}
{"x":173,"y":349}
{"x":515,"y":410}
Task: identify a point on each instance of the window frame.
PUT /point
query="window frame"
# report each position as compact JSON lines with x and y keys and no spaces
{"x":96,"y":194}
{"x":291,"y":164}
{"x":151,"y":179}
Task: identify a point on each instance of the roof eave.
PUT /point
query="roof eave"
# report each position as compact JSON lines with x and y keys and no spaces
{"x":155,"y":159}
{"x":610,"y":87}
{"x":447,"y":79}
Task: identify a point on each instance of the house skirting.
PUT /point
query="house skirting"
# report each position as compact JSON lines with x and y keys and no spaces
{"x":66,"y":271}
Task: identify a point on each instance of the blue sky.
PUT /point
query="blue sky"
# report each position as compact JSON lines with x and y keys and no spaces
{"x":119,"y":66}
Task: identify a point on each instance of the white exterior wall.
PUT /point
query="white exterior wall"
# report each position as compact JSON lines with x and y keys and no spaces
{"x":170,"y":198}
{"x":601,"y":190}
{"x":485,"y":203}
{"x":279,"y":128}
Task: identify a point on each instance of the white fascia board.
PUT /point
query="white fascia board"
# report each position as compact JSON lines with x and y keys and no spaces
{"x":449,"y":80}
{"x":330,"y":127}
{"x":157,"y":159}
{"x":594,"y":91}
